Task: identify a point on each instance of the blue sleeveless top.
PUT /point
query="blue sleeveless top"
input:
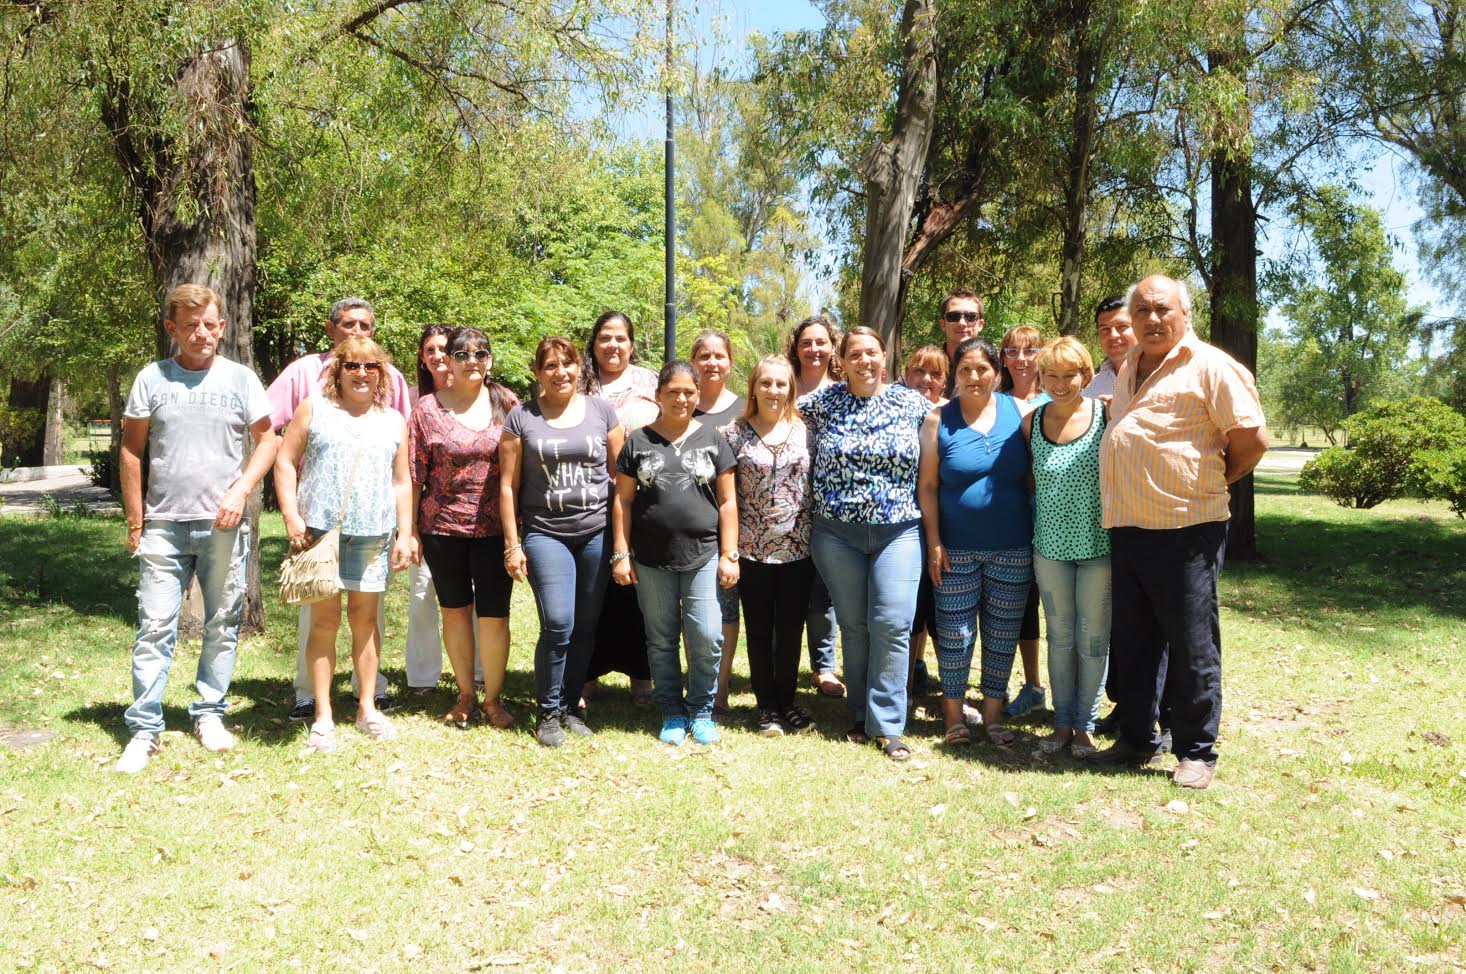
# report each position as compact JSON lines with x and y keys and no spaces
{"x":983,"y":495}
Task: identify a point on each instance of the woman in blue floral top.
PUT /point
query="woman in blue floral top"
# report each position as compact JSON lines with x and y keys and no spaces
{"x":867,"y":540}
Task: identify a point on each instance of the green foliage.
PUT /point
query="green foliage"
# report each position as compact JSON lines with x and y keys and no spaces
{"x":1406,"y":448}
{"x":1443,"y":476}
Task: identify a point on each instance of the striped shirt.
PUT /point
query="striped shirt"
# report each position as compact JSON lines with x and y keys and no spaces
{"x":1161,"y":461}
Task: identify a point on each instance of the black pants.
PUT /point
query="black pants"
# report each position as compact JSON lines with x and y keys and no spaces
{"x":1165,"y":634}
{"x":775,"y":600}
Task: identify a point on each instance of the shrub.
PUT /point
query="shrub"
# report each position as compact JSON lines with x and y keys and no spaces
{"x":1444,"y":472}
{"x":1387,"y":453}
{"x":100,"y":470}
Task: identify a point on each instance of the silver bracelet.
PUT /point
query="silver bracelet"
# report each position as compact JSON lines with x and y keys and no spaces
{"x":512,"y":549}
{"x":619,"y":556}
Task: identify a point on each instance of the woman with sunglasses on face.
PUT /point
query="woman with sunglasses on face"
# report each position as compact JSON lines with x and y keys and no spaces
{"x":813,"y":355}
{"x":455,"y":435}
{"x":771,"y":446}
{"x":717,"y":407}
{"x":1019,"y":379}
{"x":424,"y":644}
{"x":558,"y":455}
{"x":675,"y":525}
{"x":979,"y":534}
{"x":866,"y":538}
{"x":346,"y":452}
{"x":608,"y":369}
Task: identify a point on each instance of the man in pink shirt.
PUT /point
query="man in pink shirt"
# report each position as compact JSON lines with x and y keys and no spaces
{"x":299,"y":380}
{"x":1185,"y":422}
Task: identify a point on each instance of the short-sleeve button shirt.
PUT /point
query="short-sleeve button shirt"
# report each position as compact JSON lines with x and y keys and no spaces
{"x":1161,"y":461}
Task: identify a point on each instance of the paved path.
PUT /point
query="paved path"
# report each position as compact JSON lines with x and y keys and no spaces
{"x":22,"y":490}
{"x":1285,"y":459}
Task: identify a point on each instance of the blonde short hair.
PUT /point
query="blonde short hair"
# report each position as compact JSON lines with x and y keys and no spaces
{"x":190,"y":296}
{"x":1066,"y":352}
{"x":928,"y":358}
{"x":358,"y":348}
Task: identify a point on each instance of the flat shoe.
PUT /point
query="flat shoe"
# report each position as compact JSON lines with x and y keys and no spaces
{"x":494,"y":714}
{"x":462,"y":719}
{"x":322,"y":738}
{"x":829,"y":685}
{"x":378,"y":729}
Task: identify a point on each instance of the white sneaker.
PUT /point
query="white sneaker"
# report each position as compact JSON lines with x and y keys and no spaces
{"x":212,"y":734}
{"x":135,"y":756}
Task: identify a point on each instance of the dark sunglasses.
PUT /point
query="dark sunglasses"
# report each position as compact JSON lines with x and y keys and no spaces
{"x":463,"y":355}
{"x":358,"y":366}
{"x":956,"y":316}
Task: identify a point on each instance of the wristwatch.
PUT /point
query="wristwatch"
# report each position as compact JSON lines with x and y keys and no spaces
{"x":731,"y":555}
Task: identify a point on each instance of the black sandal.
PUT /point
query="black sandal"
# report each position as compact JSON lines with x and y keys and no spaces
{"x":894,"y":748}
{"x":857,"y":735}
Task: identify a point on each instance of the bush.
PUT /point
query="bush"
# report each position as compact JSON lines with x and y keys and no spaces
{"x":100,"y":471}
{"x":1445,"y":476}
{"x":1389,"y":454}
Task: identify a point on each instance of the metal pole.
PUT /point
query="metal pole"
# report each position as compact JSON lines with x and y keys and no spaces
{"x":669,"y":311}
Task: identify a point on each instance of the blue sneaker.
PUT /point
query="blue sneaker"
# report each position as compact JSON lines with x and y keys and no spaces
{"x":1031,"y":697}
{"x":704,"y":731}
{"x":674,"y":731}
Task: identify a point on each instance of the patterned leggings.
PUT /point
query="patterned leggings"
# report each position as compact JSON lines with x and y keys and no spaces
{"x":991,"y":586}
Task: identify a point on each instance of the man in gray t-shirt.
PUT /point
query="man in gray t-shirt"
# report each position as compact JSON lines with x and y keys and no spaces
{"x":190,"y":414}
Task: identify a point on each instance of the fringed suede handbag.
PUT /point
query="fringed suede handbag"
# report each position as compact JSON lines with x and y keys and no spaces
{"x":314,"y":572}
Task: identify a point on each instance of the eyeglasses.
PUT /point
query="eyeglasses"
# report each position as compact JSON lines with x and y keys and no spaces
{"x":463,"y":355}
{"x":358,"y":366}
{"x":1020,"y":352}
{"x":956,"y":316}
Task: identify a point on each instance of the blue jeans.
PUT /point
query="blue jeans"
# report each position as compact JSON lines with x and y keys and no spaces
{"x":569,"y":577}
{"x":1076,"y":600}
{"x":169,"y":555}
{"x":820,"y":623}
{"x":682,"y":604}
{"x":872,"y":571}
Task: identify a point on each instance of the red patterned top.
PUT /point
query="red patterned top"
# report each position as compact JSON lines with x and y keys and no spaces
{"x":458,"y":469}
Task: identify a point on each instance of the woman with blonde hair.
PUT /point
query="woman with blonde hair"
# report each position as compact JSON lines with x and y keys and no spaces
{"x":770,"y":445}
{"x":1071,"y":549}
{"x":343,"y":461}
{"x":1019,"y":379}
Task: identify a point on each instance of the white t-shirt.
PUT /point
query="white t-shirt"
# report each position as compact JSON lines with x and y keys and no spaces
{"x":197,"y":426}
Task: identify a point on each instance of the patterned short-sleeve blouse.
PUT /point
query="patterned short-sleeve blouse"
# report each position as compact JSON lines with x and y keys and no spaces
{"x":867,"y":449}
{"x":773,"y":493}
{"x":458,"y":469}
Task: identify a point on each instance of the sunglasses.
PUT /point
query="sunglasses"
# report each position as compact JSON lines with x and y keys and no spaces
{"x":956,"y":316}
{"x":463,"y":355}
{"x":1020,"y":352}
{"x":358,"y":366}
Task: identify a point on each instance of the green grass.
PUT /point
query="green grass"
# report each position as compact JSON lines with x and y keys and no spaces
{"x":1333,"y":840}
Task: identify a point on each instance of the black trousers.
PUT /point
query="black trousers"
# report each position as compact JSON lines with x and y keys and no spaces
{"x":1165,"y":634}
{"x":775,"y":599}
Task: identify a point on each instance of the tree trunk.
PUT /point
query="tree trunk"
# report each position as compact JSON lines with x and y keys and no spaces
{"x":114,"y":415}
{"x":28,"y":402}
{"x":53,"y":451}
{"x":1077,"y":177}
{"x":1234,"y":312}
{"x":891,"y":173}
{"x":197,"y":208}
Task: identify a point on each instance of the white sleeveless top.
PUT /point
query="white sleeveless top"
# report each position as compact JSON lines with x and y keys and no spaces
{"x":331,"y":447}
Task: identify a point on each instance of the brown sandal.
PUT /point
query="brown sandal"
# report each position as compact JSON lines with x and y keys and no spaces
{"x":958,"y":736}
{"x":462,"y":714}
{"x":494,"y":714}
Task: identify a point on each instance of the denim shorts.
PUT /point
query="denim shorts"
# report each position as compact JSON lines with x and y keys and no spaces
{"x":363,"y":564}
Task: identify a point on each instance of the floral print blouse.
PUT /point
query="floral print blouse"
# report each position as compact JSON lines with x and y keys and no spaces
{"x":867,"y":450}
{"x":773,"y":493}
{"x":458,"y":469}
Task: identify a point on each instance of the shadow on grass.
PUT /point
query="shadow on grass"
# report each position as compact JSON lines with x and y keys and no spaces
{"x":81,"y":563}
{"x":1364,"y":564}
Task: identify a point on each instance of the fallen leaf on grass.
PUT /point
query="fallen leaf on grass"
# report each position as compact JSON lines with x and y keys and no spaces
{"x":937,"y":810}
{"x":1177,"y":806}
{"x":358,"y":935}
{"x":465,"y":846}
{"x":774,"y":904}
{"x":1011,"y":798}
{"x":151,"y":933}
{"x":1310,"y":896}
{"x":1365,"y":894}
{"x":411,"y":951}
{"x":616,"y":889}
{"x":1103,"y":888}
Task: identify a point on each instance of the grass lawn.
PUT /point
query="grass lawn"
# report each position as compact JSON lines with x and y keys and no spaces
{"x":1334,"y":838}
